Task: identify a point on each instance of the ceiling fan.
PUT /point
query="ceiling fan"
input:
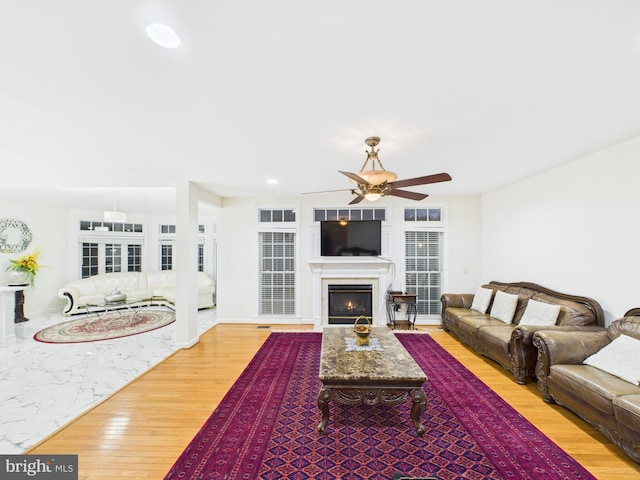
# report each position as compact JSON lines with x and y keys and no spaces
{"x":378,"y":182}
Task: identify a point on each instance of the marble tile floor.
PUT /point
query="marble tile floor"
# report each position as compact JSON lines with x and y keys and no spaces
{"x":45,"y":386}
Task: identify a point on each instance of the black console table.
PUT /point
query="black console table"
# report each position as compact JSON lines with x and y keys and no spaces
{"x":395,"y":302}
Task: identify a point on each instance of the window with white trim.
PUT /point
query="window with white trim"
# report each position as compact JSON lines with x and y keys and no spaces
{"x":167,"y":240}
{"x":89,"y":261}
{"x":277,"y":273}
{"x":423,"y":268}
{"x":113,"y":257}
{"x":423,"y":215}
{"x":102,"y":246}
{"x":363,"y":213}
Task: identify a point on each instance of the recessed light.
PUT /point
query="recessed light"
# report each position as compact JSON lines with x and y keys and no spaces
{"x":163,"y":35}
{"x":272,"y":181}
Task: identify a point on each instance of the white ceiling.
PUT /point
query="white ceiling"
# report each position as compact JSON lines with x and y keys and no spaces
{"x":490,"y":91}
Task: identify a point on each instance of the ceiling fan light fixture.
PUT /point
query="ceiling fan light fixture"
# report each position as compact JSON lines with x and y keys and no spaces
{"x":372,"y":197}
{"x":377,"y":177}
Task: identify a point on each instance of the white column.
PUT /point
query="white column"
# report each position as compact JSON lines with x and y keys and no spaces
{"x":7,"y":312}
{"x":186,"y":265}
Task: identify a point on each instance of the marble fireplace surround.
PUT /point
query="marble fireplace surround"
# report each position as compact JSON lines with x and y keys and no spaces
{"x":374,"y":271}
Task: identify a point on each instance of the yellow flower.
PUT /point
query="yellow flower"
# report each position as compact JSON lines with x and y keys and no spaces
{"x":27,"y":263}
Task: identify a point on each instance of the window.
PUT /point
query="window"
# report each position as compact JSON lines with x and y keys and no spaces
{"x":89,"y":263}
{"x":88,"y":225}
{"x":113,"y":258}
{"x":320,"y":214}
{"x":423,"y":269}
{"x":134,"y":258}
{"x":167,"y":239}
{"x":168,"y":229}
{"x":106,"y":247}
{"x":277,"y":273}
{"x":166,"y":257}
{"x":277,"y":215}
{"x":423,"y":215}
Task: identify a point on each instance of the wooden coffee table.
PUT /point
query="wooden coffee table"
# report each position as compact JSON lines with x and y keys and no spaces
{"x":385,"y":373}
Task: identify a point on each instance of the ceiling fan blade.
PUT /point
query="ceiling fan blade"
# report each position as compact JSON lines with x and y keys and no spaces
{"x":358,"y":199}
{"x":355,"y":178}
{"x":406,"y":194}
{"x":327,"y":191}
{"x":410,"y":182}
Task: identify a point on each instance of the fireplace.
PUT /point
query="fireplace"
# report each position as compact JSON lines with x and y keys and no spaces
{"x":347,"y":302}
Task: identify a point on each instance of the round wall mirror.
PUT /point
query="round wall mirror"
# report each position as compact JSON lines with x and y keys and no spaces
{"x":15,"y":236}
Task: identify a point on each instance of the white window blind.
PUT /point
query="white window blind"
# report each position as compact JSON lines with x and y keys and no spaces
{"x":277,"y":273}
{"x":423,"y":269}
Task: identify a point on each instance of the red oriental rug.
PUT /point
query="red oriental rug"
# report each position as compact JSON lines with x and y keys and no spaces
{"x":265,"y":427}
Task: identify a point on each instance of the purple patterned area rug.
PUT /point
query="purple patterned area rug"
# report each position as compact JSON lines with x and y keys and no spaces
{"x":265,"y":427}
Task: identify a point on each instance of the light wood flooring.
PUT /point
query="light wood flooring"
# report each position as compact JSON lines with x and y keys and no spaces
{"x":141,"y":430}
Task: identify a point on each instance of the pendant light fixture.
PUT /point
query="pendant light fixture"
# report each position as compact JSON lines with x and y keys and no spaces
{"x":114,"y":216}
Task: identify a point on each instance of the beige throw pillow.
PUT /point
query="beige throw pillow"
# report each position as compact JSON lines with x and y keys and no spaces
{"x":540,"y":313}
{"x":504,"y":306}
{"x":481,"y":299}
{"x":620,"y":358}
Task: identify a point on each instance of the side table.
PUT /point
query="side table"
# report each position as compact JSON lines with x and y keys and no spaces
{"x":395,"y":300}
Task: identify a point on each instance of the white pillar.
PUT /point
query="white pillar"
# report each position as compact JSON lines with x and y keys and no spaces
{"x":186,"y":265}
{"x":7,"y":312}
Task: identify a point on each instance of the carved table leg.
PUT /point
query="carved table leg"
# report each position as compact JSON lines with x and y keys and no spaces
{"x":419,"y":400}
{"x":323,"y":403}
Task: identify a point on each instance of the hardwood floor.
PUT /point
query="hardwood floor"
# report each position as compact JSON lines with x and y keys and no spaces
{"x":143,"y":428}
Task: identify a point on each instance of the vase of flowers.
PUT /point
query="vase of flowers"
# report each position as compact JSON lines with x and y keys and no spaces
{"x":23,"y":270}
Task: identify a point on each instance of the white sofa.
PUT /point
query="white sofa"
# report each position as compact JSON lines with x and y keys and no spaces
{"x":159,"y":288}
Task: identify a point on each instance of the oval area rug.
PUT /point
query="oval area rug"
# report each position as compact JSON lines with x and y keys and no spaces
{"x":91,"y":328}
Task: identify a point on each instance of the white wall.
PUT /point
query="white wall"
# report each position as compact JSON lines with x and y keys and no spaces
{"x":48,"y":225}
{"x":574,"y":229}
{"x":238,"y":248}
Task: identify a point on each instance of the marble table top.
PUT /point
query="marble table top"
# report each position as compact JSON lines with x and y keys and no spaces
{"x":388,"y":361}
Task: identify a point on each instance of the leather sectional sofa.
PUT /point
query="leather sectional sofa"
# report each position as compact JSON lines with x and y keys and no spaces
{"x":605,"y":400}
{"x":159,"y":288}
{"x":509,"y":343}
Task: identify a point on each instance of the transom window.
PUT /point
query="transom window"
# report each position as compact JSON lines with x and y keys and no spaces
{"x":423,"y":215}
{"x":277,"y":215}
{"x":320,"y":214}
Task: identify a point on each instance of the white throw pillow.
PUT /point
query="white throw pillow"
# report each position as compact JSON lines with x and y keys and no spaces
{"x":540,"y":313}
{"x":504,"y":306}
{"x":481,"y":299}
{"x":620,"y":358}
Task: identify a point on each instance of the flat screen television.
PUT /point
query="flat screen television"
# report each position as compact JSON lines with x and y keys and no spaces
{"x":354,"y":238}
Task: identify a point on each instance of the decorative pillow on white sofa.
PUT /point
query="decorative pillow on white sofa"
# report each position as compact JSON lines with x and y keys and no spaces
{"x":504,"y":306}
{"x":481,"y":300}
{"x":540,"y":313}
{"x":619,"y":358}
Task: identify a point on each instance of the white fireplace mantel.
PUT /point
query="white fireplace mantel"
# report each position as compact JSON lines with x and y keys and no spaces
{"x":357,"y":270}
{"x":349,"y":265}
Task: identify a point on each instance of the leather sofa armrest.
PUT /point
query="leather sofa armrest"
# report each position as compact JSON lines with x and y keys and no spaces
{"x":572,"y":347}
{"x":458,"y":300}
{"x":524,"y":354}
{"x":562,"y":347}
{"x":523,"y":334}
